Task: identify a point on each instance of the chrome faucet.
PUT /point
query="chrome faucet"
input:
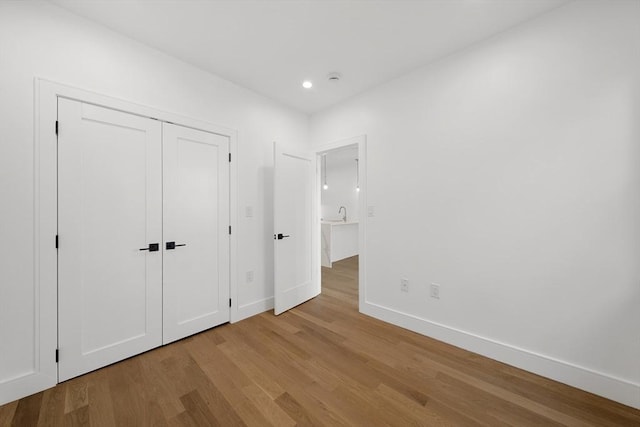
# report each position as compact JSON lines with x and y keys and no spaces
{"x":344,"y":217}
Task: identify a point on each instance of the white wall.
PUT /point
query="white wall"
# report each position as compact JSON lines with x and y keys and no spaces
{"x":38,"y":39}
{"x":341,"y":174}
{"x":508,"y":173}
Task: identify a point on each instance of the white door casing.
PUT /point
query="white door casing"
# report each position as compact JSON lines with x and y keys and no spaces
{"x":196,"y":215}
{"x":109,"y":209}
{"x":296,"y":252}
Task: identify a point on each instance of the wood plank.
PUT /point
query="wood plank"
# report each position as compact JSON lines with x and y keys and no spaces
{"x":7,"y":412}
{"x":76,"y":396}
{"x":27,"y":411}
{"x":228,"y":386}
{"x":78,"y":417}
{"x":295,"y":410}
{"x":267,"y":406}
{"x":426,"y":416}
{"x":52,"y":407}
{"x":198,"y":410}
{"x":101,"y":410}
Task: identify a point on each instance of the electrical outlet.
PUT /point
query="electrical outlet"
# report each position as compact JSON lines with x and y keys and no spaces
{"x":435,"y":291}
{"x":248,"y":211}
{"x":249,"y":276}
{"x":404,"y":285}
{"x":371,"y":211}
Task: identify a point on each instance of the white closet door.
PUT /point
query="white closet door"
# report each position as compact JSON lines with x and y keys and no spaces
{"x":109,"y":208}
{"x":196,"y":231}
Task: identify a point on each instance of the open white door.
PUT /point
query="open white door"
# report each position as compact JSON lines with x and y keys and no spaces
{"x":196,"y":231}
{"x":296,"y":229}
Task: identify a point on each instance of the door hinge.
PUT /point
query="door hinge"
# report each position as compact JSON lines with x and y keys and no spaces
{"x":56,"y":241}
{"x":57,"y":355}
{"x":229,"y":229}
{"x":56,"y":127}
{"x":229,"y":302}
{"x":229,"y":157}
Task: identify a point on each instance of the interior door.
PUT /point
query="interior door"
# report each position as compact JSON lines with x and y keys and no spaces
{"x":110,"y":229}
{"x":297,"y":250}
{"x":196,"y":231}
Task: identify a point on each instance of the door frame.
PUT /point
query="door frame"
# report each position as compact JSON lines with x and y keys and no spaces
{"x":45,"y":206}
{"x":361,"y":142}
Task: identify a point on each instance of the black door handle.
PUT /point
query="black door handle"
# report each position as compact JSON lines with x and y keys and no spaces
{"x":172,"y":245}
{"x":153,"y":247}
{"x":281,"y":236}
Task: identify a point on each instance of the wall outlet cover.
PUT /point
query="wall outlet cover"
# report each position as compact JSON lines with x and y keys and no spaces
{"x":434,"y":291}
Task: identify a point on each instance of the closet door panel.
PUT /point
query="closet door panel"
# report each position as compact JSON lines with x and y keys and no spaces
{"x":196,"y":234}
{"x":109,"y":207}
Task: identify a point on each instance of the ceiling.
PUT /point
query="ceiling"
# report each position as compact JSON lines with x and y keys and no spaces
{"x":271,"y":46}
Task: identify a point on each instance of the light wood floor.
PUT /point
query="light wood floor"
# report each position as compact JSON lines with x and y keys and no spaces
{"x":322,"y":363}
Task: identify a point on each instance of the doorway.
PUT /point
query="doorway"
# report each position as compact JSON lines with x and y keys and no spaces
{"x":342,"y":212}
{"x":298,"y":183}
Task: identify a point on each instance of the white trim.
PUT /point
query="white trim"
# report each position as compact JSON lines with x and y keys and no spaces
{"x":233,"y":220}
{"x":599,"y":383}
{"x":361,"y":142}
{"x":90,"y":97}
{"x":255,"y":307}
{"x":45,"y":205}
{"x":44,"y":371}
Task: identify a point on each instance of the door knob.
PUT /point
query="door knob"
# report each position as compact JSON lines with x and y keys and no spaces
{"x":172,"y":245}
{"x":153,"y":247}
{"x":281,"y":236}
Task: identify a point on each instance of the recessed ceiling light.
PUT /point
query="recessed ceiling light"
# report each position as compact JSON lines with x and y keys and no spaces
{"x":307,"y":84}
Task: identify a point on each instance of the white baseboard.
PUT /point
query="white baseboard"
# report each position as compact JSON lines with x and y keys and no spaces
{"x":253,"y":308}
{"x":617,"y":389}
{"x":23,"y":386}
